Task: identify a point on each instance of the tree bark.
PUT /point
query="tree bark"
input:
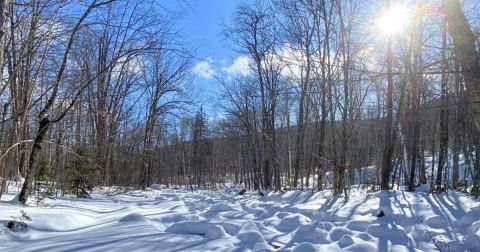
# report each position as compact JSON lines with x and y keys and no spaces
{"x":388,"y":143}
{"x":443,"y":152}
{"x":467,"y":55}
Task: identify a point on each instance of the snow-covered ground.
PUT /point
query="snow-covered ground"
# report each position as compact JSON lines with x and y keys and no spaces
{"x":181,"y":220}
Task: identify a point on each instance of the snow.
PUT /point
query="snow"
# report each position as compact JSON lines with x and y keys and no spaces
{"x":164,"y":219}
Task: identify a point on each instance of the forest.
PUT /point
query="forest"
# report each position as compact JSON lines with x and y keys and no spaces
{"x":239,"y":125}
{"x":334,"y":93}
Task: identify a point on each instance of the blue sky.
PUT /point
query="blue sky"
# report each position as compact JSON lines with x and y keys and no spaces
{"x":203,"y":22}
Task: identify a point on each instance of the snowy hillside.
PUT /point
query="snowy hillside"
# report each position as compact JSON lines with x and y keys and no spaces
{"x":181,"y":220}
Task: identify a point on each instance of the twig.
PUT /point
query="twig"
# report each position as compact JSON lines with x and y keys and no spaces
{"x":431,"y":236}
{"x":11,"y":147}
{"x":75,"y":154}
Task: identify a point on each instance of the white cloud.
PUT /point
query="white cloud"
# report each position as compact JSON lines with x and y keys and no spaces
{"x":288,"y":60}
{"x":292,"y":60}
{"x":204,"y":69}
{"x":241,"y":66}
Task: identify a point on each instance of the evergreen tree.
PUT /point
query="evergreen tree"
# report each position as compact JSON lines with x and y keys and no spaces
{"x":202,"y":148}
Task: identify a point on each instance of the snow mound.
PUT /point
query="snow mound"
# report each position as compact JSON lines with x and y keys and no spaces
{"x":134,"y":217}
{"x":57,"y":222}
{"x":291,"y":222}
{"x":251,"y":236}
{"x":345,"y":241}
{"x":365,"y":236}
{"x":394,"y":233}
{"x":203,"y":228}
{"x":215,"y":231}
{"x":435,"y":222}
{"x":325,"y":225}
{"x":473,"y":236}
{"x":338,"y":232}
{"x":310,"y":233}
{"x":358,"y":225}
{"x":306,"y":247}
{"x":361,"y":247}
{"x":230,"y":228}
{"x":217,"y":208}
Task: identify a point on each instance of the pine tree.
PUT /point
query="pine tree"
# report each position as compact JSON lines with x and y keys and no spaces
{"x":202,"y":148}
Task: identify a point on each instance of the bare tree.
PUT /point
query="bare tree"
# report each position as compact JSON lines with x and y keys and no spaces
{"x":254,"y":32}
{"x":388,"y":143}
{"x":165,"y":80}
{"x":45,"y":121}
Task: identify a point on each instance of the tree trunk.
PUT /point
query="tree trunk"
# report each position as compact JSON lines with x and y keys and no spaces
{"x":466,"y":53}
{"x":44,"y":125}
{"x":443,"y":152}
{"x":388,"y":144}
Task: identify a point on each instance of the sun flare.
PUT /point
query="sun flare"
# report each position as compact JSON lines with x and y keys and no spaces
{"x":393,"y":20}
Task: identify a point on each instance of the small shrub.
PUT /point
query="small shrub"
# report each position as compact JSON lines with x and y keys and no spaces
{"x":18,"y":222}
{"x":242,"y":192}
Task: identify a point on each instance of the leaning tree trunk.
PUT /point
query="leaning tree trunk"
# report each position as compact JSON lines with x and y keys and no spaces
{"x":36,"y":150}
{"x":44,"y":121}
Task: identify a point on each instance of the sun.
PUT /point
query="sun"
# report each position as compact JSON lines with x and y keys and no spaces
{"x":392,"y":20}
